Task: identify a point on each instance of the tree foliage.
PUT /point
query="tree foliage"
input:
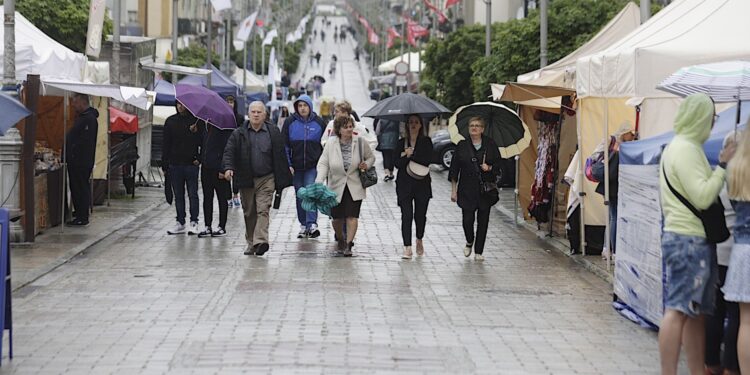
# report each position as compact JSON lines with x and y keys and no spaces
{"x":457,"y":72}
{"x":65,"y":21}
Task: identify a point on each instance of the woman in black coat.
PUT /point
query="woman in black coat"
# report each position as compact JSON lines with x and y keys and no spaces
{"x":413,"y":183}
{"x":474,"y":169}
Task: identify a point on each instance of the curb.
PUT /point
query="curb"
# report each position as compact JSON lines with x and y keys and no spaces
{"x":75,"y":251}
{"x":561,"y":247}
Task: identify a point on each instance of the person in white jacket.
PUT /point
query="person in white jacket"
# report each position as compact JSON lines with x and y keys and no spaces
{"x":344,"y":108}
{"x":343,"y":157}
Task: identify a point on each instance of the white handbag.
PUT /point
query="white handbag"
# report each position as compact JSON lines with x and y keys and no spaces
{"x":417,"y":171}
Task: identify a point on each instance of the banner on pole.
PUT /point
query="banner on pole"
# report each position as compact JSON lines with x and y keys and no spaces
{"x":246,"y":27}
{"x":96,"y":23}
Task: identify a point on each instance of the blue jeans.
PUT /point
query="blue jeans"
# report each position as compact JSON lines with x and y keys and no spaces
{"x":284,"y":93}
{"x":303,"y":179}
{"x":182,"y":175}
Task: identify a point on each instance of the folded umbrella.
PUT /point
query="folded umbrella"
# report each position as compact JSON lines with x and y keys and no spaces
{"x":401,"y":106}
{"x":206,"y":105}
{"x":317,"y":197}
{"x":13,"y":111}
{"x":502,"y":125}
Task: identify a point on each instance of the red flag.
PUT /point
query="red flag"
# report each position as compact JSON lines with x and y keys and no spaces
{"x":441,"y":17}
{"x":450,"y":3}
{"x":364,"y":22}
{"x":372,"y":36}
{"x":414,"y":31}
{"x":392,"y":34}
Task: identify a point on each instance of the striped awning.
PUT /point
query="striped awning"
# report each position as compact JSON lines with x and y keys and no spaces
{"x":727,"y":81}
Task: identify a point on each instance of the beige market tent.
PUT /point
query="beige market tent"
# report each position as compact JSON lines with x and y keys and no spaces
{"x":542,"y":90}
{"x":390,"y":65}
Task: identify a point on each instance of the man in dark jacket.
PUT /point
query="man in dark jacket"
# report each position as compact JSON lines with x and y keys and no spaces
{"x":213,"y":180}
{"x":181,"y":156}
{"x":80,"y":148}
{"x":302,"y":132}
{"x":254,"y":158}
{"x":285,"y":82}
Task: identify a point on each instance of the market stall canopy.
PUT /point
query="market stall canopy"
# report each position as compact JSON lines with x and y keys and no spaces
{"x":561,"y":73}
{"x":636,"y":64}
{"x":518,"y":92}
{"x":13,"y":111}
{"x":390,"y":65}
{"x":135,"y":96}
{"x":161,"y":112}
{"x":253,"y":82}
{"x":164,"y":92}
{"x":178,"y":69}
{"x":122,"y":122}
{"x":37,"y":53}
{"x":220,"y":83}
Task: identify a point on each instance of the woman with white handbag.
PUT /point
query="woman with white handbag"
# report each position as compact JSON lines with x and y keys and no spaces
{"x":413,"y":183}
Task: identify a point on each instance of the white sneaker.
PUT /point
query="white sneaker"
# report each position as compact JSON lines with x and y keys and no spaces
{"x":302,"y":232}
{"x":192,"y":228}
{"x":479,"y":257}
{"x":467,"y":249}
{"x":177,"y":229}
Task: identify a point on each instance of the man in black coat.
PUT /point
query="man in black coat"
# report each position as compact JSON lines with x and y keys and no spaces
{"x":80,"y":148}
{"x":255,"y":158}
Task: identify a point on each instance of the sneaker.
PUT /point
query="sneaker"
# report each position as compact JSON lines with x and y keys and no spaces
{"x":261,"y":249}
{"x":230,"y":203}
{"x":236,"y":202}
{"x":479,"y":257}
{"x":177,"y":229}
{"x":78,"y":223}
{"x":219,"y":232}
{"x":407,"y":253}
{"x":250,"y":250}
{"x":467,"y":249}
{"x":205,"y":233}
{"x":302,"y":232}
{"x":348,"y":250}
{"x":192,"y":228}
{"x":313,"y":232}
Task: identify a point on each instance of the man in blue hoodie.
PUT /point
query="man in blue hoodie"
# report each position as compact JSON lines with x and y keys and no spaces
{"x":302,"y":132}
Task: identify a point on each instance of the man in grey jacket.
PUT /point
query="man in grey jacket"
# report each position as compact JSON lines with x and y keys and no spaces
{"x":256,"y":159}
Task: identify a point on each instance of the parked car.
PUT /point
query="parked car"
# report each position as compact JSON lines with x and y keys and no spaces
{"x":442,"y":154}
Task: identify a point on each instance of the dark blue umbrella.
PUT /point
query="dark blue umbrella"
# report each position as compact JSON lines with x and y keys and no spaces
{"x":13,"y":111}
{"x":206,"y":105}
{"x":401,"y":106}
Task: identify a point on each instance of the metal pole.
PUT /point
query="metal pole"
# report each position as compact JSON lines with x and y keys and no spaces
{"x":607,"y":246}
{"x":64,"y":188}
{"x":9,"y":63}
{"x":543,"y":33}
{"x":29,"y":138}
{"x":488,"y":28}
{"x":645,"y":10}
{"x":208,"y":34}
{"x":116,"y":43}
{"x":244,"y":67}
{"x":175,"y":31}
{"x":109,"y":165}
{"x":515,"y":194}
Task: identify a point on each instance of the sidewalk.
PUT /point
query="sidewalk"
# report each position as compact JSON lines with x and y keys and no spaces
{"x":56,"y":246}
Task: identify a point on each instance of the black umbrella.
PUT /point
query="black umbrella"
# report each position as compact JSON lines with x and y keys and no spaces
{"x":502,"y":125}
{"x":319,"y":79}
{"x":399,"y":107}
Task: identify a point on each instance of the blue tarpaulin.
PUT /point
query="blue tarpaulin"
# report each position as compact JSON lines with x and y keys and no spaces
{"x":647,"y":151}
{"x":220,"y":83}
{"x":164,"y":92}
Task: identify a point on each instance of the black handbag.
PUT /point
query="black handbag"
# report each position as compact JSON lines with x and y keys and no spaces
{"x":714,"y":222}
{"x":370,"y":176}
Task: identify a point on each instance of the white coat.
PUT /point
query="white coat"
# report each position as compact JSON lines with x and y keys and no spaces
{"x":331,"y":168}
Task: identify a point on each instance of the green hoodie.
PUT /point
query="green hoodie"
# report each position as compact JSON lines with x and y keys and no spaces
{"x":687,"y":168}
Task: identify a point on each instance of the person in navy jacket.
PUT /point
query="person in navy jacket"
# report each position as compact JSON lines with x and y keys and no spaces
{"x":302,"y":133}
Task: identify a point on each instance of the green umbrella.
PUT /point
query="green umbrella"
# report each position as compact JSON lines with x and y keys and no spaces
{"x":317,"y":197}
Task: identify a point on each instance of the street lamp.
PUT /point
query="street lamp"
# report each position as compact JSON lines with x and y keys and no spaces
{"x":488,"y":28}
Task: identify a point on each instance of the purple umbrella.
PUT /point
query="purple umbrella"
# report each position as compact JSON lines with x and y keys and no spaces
{"x":206,"y":105}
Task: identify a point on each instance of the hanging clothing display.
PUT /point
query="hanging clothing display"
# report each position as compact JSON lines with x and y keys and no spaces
{"x":546,"y":163}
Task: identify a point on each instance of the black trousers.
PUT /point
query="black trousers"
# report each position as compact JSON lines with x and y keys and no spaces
{"x":389,"y":159}
{"x":483,"y":220}
{"x":716,"y":333}
{"x":211,"y":182}
{"x":414,"y":209}
{"x":80,"y":191}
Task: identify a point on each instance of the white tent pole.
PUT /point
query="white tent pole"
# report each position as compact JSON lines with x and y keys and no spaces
{"x":515,"y":195}
{"x":579,"y":179}
{"x":607,"y":246}
{"x":109,"y":162}
{"x":65,"y":162}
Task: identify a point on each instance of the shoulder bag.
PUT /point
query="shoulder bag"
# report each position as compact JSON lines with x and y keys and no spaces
{"x":714,"y":222}
{"x":415,"y":170}
{"x":370,"y":176}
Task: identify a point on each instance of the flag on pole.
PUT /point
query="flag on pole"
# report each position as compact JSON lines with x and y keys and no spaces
{"x":220,"y":5}
{"x":269,"y":37}
{"x":441,"y":17}
{"x":96,"y":24}
{"x":450,"y":3}
{"x":392,"y":34}
{"x":372,"y":36}
{"x":246,"y":27}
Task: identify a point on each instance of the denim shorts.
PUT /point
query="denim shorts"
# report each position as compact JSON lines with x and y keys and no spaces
{"x":691,"y":274}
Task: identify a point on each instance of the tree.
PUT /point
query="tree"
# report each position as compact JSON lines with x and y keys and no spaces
{"x":459,"y":59}
{"x":65,"y":21}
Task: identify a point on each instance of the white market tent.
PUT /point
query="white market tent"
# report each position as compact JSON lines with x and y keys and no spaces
{"x":37,"y":53}
{"x":686,"y":32}
{"x":390,"y":65}
{"x":253,"y":84}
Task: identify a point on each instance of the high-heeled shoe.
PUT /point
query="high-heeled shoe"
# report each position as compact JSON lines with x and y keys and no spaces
{"x":420,"y":248}
{"x":407,"y":253}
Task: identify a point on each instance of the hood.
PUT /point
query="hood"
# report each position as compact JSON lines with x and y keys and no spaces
{"x":694,"y":118}
{"x":90,"y":110}
{"x":306,"y":99}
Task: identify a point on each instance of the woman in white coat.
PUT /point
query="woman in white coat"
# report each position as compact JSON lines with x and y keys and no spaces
{"x":339,"y":166}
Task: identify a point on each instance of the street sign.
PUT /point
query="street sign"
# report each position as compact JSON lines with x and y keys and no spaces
{"x":401,"y":68}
